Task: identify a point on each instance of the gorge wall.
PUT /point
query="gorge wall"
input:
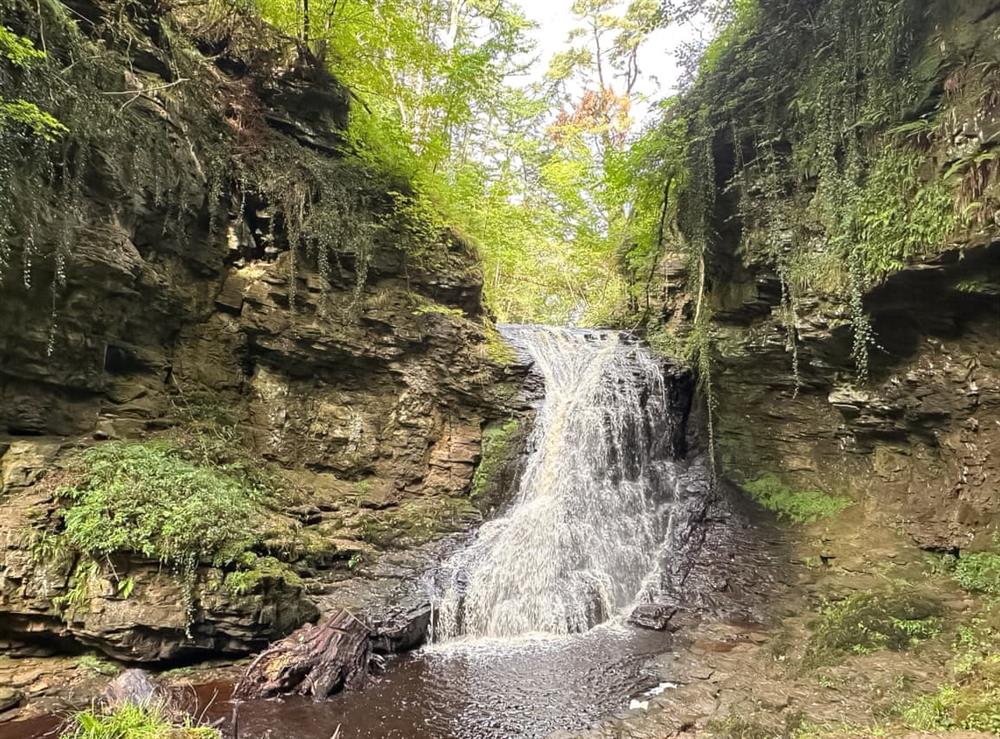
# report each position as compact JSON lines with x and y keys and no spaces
{"x":202,"y":260}
{"x":839,"y":222}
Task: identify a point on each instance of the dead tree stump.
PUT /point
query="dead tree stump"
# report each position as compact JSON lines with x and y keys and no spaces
{"x":316,"y":660}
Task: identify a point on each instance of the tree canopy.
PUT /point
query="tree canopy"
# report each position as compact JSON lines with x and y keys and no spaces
{"x":536,"y":168}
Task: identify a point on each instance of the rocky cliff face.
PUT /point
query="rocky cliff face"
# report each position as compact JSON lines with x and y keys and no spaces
{"x":912,"y":435}
{"x":918,"y":444}
{"x":359,"y":375}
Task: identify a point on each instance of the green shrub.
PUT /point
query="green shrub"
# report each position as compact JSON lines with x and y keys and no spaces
{"x":135,"y":721}
{"x":979,"y":572}
{"x":867,"y":622}
{"x":149,"y":499}
{"x":796,"y":506}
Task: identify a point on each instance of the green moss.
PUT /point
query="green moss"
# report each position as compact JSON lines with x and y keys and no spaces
{"x":496,"y":448}
{"x":496,"y":348}
{"x":134,"y":721}
{"x":438,"y":309}
{"x":866,"y":622}
{"x":414,"y":522}
{"x":796,"y":506}
{"x":255,"y":572}
{"x":149,"y":499}
{"x":97,"y":665}
{"x":979,"y":572}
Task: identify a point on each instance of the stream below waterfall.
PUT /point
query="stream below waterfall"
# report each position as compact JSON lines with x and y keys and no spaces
{"x":526,"y":688}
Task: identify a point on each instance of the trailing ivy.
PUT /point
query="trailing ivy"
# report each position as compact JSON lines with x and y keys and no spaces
{"x":179,"y":143}
{"x":795,"y":106}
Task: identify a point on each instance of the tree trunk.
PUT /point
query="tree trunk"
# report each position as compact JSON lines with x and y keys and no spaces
{"x":316,"y":660}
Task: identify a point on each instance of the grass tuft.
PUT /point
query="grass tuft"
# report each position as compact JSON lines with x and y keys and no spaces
{"x":796,"y":506}
{"x":135,"y":721}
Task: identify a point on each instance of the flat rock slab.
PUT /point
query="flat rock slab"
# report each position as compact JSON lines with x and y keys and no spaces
{"x":10,"y":698}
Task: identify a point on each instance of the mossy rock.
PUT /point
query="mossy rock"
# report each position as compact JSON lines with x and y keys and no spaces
{"x":493,"y":476}
{"x":414,"y":522}
{"x":865,"y":622}
{"x":255,"y":574}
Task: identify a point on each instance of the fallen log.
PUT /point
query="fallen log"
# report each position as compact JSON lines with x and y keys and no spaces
{"x":316,"y":660}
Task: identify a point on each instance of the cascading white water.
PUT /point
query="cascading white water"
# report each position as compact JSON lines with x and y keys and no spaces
{"x":589,"y":516}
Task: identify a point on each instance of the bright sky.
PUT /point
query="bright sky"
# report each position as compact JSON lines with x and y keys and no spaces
{"x":659,"y":68}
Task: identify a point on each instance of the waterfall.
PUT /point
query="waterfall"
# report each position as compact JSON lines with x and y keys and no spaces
{"x":592,"y":509}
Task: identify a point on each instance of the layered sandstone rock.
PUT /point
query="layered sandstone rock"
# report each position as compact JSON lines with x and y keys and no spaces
{"x":365,"y":393}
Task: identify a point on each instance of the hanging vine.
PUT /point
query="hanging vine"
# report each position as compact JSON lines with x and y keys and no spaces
{"x":830,"y":199}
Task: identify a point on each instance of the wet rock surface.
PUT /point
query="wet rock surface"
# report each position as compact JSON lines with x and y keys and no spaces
{"x":131,"y":686}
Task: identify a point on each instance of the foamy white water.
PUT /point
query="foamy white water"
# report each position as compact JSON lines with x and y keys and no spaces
{"x":587,"y":522}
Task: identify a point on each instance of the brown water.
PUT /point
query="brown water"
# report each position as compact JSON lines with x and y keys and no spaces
{"x":483,"y":690}
{"x":525,"y":688}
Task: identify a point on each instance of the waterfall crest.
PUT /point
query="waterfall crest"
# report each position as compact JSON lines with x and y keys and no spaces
{"x":592,"y":508}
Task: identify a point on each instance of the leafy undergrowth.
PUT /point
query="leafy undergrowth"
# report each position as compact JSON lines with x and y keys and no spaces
{"x":135,"y":721}
{"x":797,"y":506}
{"x":979,"y":572}
{"x":148,"y":498}
{"x":970,"y":702}
{"x":171,"y":503}
{"x":869,"y":621}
